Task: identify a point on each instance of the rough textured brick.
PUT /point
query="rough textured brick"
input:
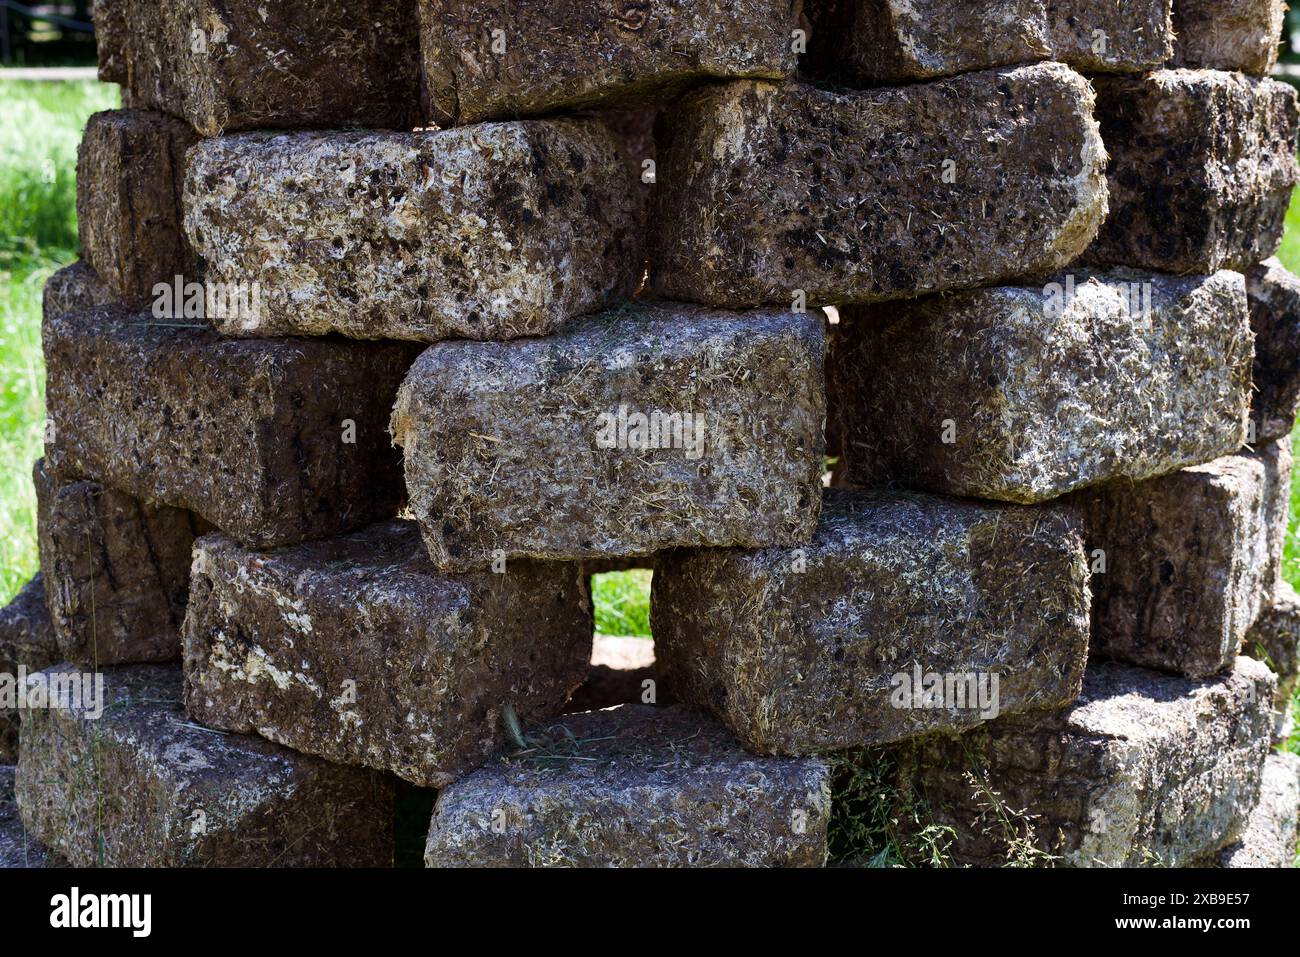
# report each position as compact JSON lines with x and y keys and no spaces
{"x":634,"y":787}
{"x":26,"y":642}
{"x":808,"y":649}
{"x":1201,"y":169}
{"x":1229,"y":34}
{"x":1005,"y":393}
{"x":363,"y":654}
{"x":1191,"y":559}
{"x":1275,"y":640}
{"x":1143,"y":769}
{"x":111,"y":38}
{"x":493,"y":59}
{"x":74,"y":288}
{"x":246,"y":64}
{"x":766,"y":189}
{"x":1274,"y":295}
{"x":130,"y":170}
{"x":490,"y":232}
{"x":897,"y":41}
{"x":17,"y":848}
{"x":142,"y":786}
{"x":620,"y":668}
{"x":116,"y":570}
{"x":1270,"y":836}
{"x":503,"y":441}
{"x":251,"y":435}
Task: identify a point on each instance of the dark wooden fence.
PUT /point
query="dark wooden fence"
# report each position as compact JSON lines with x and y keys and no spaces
{"x":42,"y":34}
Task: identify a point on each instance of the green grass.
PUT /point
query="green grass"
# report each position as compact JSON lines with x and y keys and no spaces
{"x":40,"y":126}
{"x":1290,"y":256}
{"x":622,"y":601}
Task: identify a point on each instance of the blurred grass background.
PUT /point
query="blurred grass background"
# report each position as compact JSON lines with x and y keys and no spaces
{"x":40,"y":126}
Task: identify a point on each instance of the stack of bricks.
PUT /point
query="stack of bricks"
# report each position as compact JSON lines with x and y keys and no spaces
{"x":396,"y":320}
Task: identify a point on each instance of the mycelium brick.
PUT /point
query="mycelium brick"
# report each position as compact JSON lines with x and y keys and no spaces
{"x":27,"y":644}
{"x":129,"y":780}
{"x":1275,"y":640}
{"x":1144,"y":769}
{"x":76,"y":286}
{"x":17,"y":847}
{"x":357,"y":650}
{"x":273,"y":441}
{"x":1270,"y":836}
{"x":1022,"y":394}
{"x":130,"y":170}
{"x":764,"y":190}
{"x":634,"y":786}
{"x":246,"y":64}
{"x":833,"y":644}
{"x":1274,"y":295}
{"x":1229,"y":34}
{"x":116,"y":571}
{"x":653,"y":426}
{"x":111,"y":38}
{"x":489,"y":232}
{"x":1202,"y":164}
{"x":493,"y":59}
{"x":899,"y":41}
{"x":1186,"y":562}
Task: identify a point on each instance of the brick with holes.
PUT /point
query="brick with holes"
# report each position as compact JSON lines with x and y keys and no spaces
{"x":116,"y":571}
{"x":776,"y":193}
{"x":357,"y":650}
{"x":1186,"y":562}
{"x":1145,"y":769}
{"x":634,"y":786}
{"x":652,"y":426}
{"x":273,"y":441}
{"x":839,"y":643}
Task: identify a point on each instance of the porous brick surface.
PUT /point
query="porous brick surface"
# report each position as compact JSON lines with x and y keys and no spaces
{"x":634,"y":787}
{"x":129,"y":780}
{"x":357,"y":650}
{"x":831,"y":645}
{"x":765,"y":189}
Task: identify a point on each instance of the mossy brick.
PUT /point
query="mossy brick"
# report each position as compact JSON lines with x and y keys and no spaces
{"x":533,"y":449}
{"x":141,"y":785}
{"x":355,"y":649}
{"x":873,"y":42}
{"x":1270,"y":836}
{"x":1275,"y":640}
{"x":763,"y":190}
{"x":272,"y":441}
{"x":826,"y":646}
{"x":622,"y":671}
{"x":116,"y":571}
{"x":1239,"y":35}
{"x":1145,"y":769}
{"x":1186,"y":562}
{"x":226,"y":65}
{"x":74,"y":287}
{"x":1202,"y":164}
{"x":634,"y":786}
{"x":1025,"y":393}
{"x":490,"y":232}
{"x":27,"y":642}
{"x":1274,"y":295}
{"x":130,"y":170}
{"x":494,"y":59}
